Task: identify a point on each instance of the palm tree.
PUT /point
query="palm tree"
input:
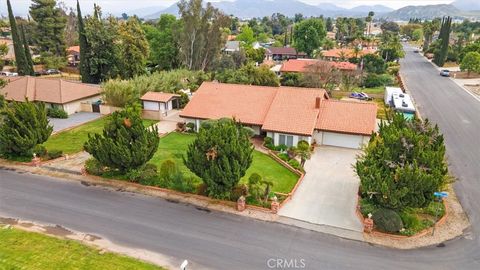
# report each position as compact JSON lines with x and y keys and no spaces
{"x":304,"y":152}
{"x":369,"y":20}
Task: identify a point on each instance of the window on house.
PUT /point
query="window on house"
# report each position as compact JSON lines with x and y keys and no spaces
{"x":289,"y":141}
{"x":281,"y":139}
{"x":285,"y":139}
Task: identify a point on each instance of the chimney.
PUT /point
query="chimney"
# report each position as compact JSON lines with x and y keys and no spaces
{"x":318,"y":100}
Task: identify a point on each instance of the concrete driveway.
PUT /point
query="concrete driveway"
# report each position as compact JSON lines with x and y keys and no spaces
{"x":169,"y":123}
{"x":328,"y":193}
{"x":73,"y":120}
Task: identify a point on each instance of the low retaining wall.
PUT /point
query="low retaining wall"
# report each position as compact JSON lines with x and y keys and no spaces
{"x":107,"y":109}
{"x":152,"y":115}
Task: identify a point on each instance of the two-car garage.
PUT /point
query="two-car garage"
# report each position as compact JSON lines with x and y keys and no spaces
{"x":354,"y":141}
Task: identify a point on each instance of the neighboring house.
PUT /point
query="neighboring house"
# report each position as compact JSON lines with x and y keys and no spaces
{"x":285,"y":114}
{"x":302,"y":65}
{"x":231,"y":47}
{"x":56,"y":93}
{"x":160,"y":103}
{"x":73,"y":55}
{"x":344,"y":54}
{"x":283,"y":53}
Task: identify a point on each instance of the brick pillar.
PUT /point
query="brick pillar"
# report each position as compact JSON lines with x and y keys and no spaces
{"x":241,"y":204}
{"x":275,"y":205}
{"x":368,"y":225}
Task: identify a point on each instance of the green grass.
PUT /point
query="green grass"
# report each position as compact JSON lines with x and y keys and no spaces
{"x":174,"y":146}
{"x":373,"y":90}
{"x":27,"y":250}
{"x":72,"y":141}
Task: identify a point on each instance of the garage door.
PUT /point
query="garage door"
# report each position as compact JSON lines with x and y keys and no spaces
{"x":342,"y":140}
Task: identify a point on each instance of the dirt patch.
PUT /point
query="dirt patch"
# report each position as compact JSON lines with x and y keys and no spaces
{"x":464,"y":75}
{"x":475,"y":89}
{"x":8,"y":221}
{"x":57,"y":230}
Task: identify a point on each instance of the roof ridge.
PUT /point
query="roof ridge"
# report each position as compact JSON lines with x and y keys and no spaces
{"x":61,"y":92}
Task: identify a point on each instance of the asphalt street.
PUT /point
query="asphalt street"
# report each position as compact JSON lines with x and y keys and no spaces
{"x":222,"y":241}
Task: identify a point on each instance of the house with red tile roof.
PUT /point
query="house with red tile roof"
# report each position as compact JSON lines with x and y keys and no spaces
{"x":345,"y":53}
{"x":66,"y":95}
{"x":73,"y":55}
{"x":303,"y":65}
{"x":285,"y":114}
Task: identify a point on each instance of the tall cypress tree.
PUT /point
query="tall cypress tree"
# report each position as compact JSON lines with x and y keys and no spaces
{"x":442,"y":53}
{"x":20,"y":58}
{"x":84,"y":49}
{"x":28,"y":55}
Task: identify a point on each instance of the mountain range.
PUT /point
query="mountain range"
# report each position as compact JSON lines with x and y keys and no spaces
{"x":260,"y":8}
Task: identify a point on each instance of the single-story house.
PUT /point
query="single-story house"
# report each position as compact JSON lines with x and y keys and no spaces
{"x":66,"y":95}
{"x":73,"y":55}
{"x":283,"y":53}
{"x":303,"y":65}
{"x":285,"y":114}
{"x":344,"y":53}
{"x":231,"y":47}
{"x":11,"y":52}
{"x":160,"y":102}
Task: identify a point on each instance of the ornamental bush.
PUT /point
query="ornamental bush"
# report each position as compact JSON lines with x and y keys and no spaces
{"x":125,"y":143}
{"x":24,"y":125}
{"x":57,"y":113}
{"x":220,"y":156}
{"x":387,"y":220}
{"x":403,"y":165}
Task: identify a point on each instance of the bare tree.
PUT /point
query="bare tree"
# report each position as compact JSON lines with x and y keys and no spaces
{"x":322,"y":74}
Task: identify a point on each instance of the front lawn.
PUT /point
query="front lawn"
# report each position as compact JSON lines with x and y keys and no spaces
{"x":27,"y":250}
{"x":72,"y":141}
{"x":174,"y":146}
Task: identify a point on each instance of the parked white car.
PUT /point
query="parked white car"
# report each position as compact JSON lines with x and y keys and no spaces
{"x":8,"y":74}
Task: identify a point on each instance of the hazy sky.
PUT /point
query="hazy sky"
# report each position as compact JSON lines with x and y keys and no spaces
{"x":116,"y":6}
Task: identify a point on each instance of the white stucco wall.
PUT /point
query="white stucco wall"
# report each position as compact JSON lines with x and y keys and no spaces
{"x":75,"y":106}
{"x":151,"y":105}
{"x":296,"y":138}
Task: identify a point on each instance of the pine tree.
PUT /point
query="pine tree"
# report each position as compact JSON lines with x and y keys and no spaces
{"x":220,"y":156}
{"x":28,"y":55}
{"x":20,"y":58}
{"x":84,"y":49}
{"x":25,"y":125}
{"x":403,"y":165}
{"x":125,"y":143}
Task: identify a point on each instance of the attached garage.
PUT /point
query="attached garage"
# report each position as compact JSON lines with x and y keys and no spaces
{"x":342,"y":140}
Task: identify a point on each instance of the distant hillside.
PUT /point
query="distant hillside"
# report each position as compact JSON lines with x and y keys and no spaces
{"x":424,"y":12}
{"x":260,"y":8}
{"x":467,"y":5}
{"x":374,"y":8}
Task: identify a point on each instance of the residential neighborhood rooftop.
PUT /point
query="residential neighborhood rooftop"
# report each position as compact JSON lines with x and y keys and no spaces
{"x":345,"y":52}
{"x":47,"y":90}
{"x":283,"y":51}
{"x":302,"y":65}
{"x":281,"y":109}
{"x":158,"y":96}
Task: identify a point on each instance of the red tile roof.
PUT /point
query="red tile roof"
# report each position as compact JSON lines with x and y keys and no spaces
{"x":302,"y":65}
{"x":293,"y":111}
{"x":248,"y":104}
{"x":75,"y":49}
{"x":347,"y":117}
{"x":158,"y":96}
{"x":47,"y":90}
{"x":337,"y":53}
{"x":280,"y":109}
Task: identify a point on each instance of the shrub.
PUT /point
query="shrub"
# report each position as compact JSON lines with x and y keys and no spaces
{"x":145,"y":175}
{"x":393,"y":70}
{"x":190,"y":127}
{"x":387,"y":220}
{"x":281,"y":148}
{"x":238,"y":191}
{"x":126,"y":143}
{"x":220,"y":156}
{"x":167,"y":170}
{"x":53,"y":154}
{"x":374,"y":80}
{"x":181,"y":183}
{"x":410,"y":221}
{"x":40,"y":150}
{"x":295,"y":164}
{"x":93,"y":167}
{"x":270,"y":146}
{"x":57,"y":113}
{"x":367,"y":207}
{"x":268,"y":140}
{"x":284,"y":157}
